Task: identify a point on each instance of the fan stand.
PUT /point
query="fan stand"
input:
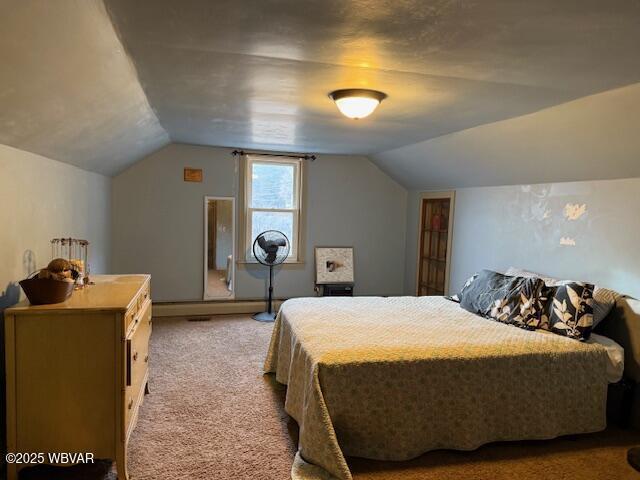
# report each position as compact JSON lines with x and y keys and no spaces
{"x":269,"y":315}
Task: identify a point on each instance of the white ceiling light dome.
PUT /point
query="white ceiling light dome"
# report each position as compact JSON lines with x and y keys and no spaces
{"x":357,"y":103}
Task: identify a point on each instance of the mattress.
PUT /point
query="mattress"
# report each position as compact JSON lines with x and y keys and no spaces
{"x":392,"y":378}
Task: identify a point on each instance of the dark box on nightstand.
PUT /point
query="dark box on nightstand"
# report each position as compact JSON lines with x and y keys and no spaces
{"x":338,"y":290}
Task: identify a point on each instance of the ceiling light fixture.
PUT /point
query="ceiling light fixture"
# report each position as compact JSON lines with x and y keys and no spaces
{"x":357,"y":102}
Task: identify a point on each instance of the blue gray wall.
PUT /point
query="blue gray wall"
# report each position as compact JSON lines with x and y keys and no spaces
{"x":43,"y":199}
{"x":579,"y":230}
{"x":594,"y":139}
{"x":158,"y":225}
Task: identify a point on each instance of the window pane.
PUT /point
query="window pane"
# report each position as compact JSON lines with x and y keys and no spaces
{"x":272,"y":185}
{"x":281,"y":221}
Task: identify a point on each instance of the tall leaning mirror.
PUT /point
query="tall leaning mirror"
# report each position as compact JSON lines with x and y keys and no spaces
{"x":219,"y":248}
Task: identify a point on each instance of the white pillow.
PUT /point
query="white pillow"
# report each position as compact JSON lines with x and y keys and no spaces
{"x":519,"y":272}
{"x":603,"y":298}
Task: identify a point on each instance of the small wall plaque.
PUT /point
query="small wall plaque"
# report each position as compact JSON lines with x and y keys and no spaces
{"x":192,"y":174}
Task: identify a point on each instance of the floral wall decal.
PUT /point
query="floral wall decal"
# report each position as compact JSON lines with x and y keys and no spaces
{"x":526,"y":225}
{"x":573,"y":211}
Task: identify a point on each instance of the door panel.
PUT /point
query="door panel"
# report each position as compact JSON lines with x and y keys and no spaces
{"x":435,"y":241}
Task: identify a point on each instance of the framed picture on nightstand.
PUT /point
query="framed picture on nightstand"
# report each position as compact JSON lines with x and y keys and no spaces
{"x":334,"y":265}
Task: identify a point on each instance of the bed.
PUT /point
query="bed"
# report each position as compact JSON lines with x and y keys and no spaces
{"x":392,"y":378}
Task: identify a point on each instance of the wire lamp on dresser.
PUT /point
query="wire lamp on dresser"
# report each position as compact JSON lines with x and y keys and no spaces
{"x":77,"y":371}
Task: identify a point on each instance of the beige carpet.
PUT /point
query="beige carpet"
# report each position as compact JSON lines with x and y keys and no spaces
{"x":217,"y":284}
{"x":212,"y":414}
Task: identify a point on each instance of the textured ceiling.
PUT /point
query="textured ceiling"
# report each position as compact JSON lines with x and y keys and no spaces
{"x":68,"y":91}
{"x":100,"y":90}
{"x":256,"y":73}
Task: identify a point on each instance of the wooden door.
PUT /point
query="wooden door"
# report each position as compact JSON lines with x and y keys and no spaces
{"x":434,"y":246}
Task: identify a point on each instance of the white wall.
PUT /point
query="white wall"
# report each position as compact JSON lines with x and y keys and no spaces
{"x":42,"y":199}
{"x":158,"y":223}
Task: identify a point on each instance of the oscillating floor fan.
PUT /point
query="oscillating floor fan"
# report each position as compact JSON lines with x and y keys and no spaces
{"x":270,"y":248}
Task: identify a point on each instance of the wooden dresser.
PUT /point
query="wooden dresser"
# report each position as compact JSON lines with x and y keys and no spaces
{"x":77,"y":371}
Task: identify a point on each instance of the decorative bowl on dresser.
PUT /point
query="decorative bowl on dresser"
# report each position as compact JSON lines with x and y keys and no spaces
{"x":77,"y":371}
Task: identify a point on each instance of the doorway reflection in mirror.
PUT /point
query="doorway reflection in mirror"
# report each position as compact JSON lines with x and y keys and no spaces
{"x":219,"y":248}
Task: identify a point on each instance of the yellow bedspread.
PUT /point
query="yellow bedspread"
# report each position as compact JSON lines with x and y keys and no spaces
{"x":392,"y":378}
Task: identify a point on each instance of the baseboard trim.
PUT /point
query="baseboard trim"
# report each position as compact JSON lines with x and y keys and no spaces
{"x":194,"y":309}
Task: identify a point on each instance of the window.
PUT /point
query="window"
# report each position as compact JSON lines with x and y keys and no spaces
{"x":272,"y":196}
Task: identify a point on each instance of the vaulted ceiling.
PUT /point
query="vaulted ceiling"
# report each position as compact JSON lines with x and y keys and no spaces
{"x":101,"y":88}
{"x":68,"y":91}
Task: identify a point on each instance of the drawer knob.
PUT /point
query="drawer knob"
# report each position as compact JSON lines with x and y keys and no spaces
{"x":146,"y":358}
{"x":130,"y":404}
{"x":135,"y":356}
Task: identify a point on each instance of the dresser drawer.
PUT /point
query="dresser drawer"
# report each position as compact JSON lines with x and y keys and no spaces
{"x":131,"y":317}
{"x":137,"y":362}
{"x":134,"y":314}
{"x":144,"y":295}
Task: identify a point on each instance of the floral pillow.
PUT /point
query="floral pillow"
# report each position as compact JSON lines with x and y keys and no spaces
{"x":512,"y":300}
{"x":523,"y":309}
{"x":569,"y":310}
{"x":604,"y":299}
{"x":458,"y":296}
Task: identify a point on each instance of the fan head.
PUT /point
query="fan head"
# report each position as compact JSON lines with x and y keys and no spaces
{"x":271,"y":247}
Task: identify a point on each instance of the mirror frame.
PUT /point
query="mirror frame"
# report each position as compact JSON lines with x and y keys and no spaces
{"x":205,"y":284}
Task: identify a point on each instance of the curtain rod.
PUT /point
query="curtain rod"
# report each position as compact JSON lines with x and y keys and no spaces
{"x":242,"y":152}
